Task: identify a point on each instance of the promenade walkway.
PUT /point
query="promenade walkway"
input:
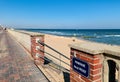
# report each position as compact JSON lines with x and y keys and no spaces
{"x":15,"y":64}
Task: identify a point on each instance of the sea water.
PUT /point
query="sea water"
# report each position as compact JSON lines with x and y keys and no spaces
{"x":108,"y":36}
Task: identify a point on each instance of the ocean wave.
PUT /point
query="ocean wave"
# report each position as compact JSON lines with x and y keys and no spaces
{"x":52,"y":32}
{"x":111,"y":35}
{"x":82,"y":35}
{"x":102,"y":36}
{"x":61,"y":33}
{"x":106,"y":36}
{"x":87,"y":37}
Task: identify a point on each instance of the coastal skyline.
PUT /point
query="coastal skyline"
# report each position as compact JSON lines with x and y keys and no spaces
{"x":69,"y":14}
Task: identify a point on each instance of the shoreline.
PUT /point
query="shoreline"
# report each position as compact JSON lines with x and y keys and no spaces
{"x":84,"y":37}
{"x":94,"y":35}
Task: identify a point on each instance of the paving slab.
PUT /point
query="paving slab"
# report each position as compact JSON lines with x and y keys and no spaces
{"x":15,"y":64}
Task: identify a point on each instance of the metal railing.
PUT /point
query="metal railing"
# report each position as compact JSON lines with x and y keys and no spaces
{"x":60,"y":54}
{"x":53,"y":49}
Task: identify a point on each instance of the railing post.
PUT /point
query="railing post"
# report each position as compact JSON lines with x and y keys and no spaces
{"x":35,"y":46}
{"x":119,"y":74}
{"x":85,"y":66}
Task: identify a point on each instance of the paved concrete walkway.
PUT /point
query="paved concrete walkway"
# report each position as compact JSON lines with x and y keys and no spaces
{"x":15,"y":64}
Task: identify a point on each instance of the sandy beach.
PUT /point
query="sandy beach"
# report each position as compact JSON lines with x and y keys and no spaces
{"x":60,"y":44}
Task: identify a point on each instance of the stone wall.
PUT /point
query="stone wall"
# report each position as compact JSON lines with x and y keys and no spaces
{"x":23,"y":38}
{"x":29,"y":40}
{"x":101,"y":58}
{"x":95,"y":65}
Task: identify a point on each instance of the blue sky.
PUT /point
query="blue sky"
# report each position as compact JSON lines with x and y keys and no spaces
{"x":60,"y":13}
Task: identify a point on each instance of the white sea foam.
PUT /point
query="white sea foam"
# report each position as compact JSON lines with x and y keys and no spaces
{"x":111,"y":35}
{"x":60,"y":33}
{"x":52,"y":32}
